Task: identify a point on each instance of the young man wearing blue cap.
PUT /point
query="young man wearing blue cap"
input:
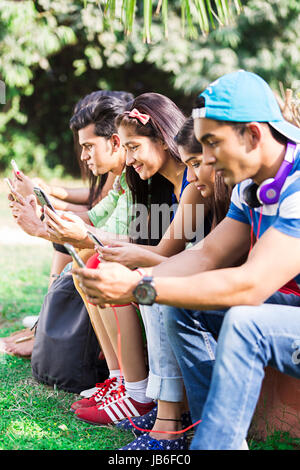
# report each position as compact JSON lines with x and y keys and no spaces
{"x":208,"y":293}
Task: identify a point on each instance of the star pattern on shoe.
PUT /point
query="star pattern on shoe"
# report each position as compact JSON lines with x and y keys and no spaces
{"x":145,"y":442}
{"x":147,"y":421}
{"x":144,"y":422}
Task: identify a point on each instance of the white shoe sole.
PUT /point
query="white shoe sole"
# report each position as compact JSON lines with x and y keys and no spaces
{"x":88,"y":393}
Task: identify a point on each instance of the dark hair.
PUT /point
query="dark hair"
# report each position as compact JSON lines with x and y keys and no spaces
{"x":95,"y":95}
{"x":186,"y":137}
{"x":100,"y":108}
{"x":219,"y":202}
{"x":165,"y":121}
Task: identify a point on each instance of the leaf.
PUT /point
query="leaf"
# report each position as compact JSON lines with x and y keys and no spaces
{"x":147,"y":20}
{"x":193,"y":12}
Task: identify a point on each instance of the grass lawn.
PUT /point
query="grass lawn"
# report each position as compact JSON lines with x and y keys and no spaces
{"x":34,"y":416}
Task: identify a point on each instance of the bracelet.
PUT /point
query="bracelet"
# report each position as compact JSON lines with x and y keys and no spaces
{"x":168,"y":419}
{"x":141,"y":271}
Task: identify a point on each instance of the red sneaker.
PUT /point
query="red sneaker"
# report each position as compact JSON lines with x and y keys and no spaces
{"x":118,"y":406}
{"x":103,"y":391}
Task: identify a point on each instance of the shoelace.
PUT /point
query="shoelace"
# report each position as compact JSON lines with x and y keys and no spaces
{"x":121,"y":392}
{"x":104,"y":387}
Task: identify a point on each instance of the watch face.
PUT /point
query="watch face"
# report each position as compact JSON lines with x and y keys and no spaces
{"x":145,"y":293}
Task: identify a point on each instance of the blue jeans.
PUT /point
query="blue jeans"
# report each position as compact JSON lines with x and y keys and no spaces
{"x":223,"y":379}
{"x":165,"y":378}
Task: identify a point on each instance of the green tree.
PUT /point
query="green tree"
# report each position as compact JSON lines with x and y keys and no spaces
{"x":52,"y":52}
{"x":28,"y":38}
{"x":195,"y":14}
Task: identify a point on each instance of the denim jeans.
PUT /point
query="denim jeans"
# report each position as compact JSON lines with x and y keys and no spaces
{"x":223,"y":379}
{"x":165,"y":378}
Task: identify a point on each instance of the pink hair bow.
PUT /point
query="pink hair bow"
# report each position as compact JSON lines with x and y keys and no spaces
{"x":143,"y":118}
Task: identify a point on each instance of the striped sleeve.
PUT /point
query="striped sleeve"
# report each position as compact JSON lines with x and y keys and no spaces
{"x":288,"y":220}
{"x":235,"y":210}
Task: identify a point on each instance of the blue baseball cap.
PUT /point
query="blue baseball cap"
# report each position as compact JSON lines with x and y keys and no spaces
{"x":244,"y":97}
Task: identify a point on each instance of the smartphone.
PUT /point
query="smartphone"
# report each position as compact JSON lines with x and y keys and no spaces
{"x":93,"y":237}
{"x":9,"y":184}
{"x":14,"y":165}
{"x":43,"y":198}
{"x":10,"y":188}
{"x":71,"y":250}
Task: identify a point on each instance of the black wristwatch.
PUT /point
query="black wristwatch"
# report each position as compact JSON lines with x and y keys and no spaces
{"x":144,"y":292}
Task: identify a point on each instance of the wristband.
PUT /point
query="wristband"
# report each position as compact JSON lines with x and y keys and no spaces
{"x":141,"y":271}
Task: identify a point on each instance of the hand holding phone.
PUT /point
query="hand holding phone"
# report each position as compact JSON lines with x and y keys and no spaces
{"x":43,"y":198}
{"x":94,"y":239}
{"x":11,"y":188}
{"x":71,"y":250}
{"x":8,"y":182}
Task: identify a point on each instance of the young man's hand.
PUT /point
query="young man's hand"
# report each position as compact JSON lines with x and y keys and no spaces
{"x":23,"y":184}
{"x":110,"y":283}
{"x":65,"y":227}
{"x":128,"y":254}
{"x":26,"y":213}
